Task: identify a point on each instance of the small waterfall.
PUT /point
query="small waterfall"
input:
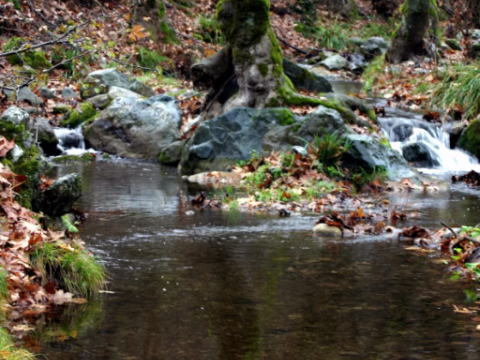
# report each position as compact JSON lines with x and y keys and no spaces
{"x":407,"y":130}
{"x":71,"y":140}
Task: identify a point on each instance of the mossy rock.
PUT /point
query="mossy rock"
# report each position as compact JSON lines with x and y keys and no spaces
{"x":84,"y":158}
{"x":77,"y":118}
{"x":470,"y":139}
{"x":36,"y":59}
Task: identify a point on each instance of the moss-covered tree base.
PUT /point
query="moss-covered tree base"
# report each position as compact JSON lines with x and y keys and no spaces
{"x":418,"y":34}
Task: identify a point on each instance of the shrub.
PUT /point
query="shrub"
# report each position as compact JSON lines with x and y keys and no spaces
{"x":210,"y":30}
{"x":329,"y":149}
{"x":151,"y":59}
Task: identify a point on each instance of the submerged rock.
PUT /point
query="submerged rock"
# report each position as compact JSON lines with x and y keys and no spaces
{"x":327,"y":230}
{"x":419,"y":155}
{"x":136,"y":128}
{"x":470,"y":139}
{"x":303,"y":79}
{"x":172,"y":154}
{"x":369,"y":154}
{"x":335,"y":62}
{"x":59,"y":198}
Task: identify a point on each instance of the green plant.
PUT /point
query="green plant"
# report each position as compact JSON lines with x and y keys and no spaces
{"x":151,"y":59}
{"x":3,"y":284}
{"x":373,"y":72}
{"x":210,"y":30}
{"x":329,"y":148}
{"x":331,"y":37}
{"x":80,"y":272}
{"x":9,"y":351}
{"x":459,"y":88}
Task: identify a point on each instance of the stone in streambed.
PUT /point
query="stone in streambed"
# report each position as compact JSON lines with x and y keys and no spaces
{"x":59,"y":198}
{"x":135,"y":128}
{"x":327,"y":230}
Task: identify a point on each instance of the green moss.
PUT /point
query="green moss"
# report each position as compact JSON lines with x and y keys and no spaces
{"x":3,"y":285}
{"x":151,"y":59}
{"x":276,"y":55}
{"x":263,"y":68}
{"x":470,"y":139}
{"x":284,"y":116}
{"x":62,"y":109}
{"x":35,"y":59}
{"x":296,"y":128}
{"x":10,"y":131}
{"x":16,"y":3}
{"x":169,"y":36}
{"x":161,"y":9}
{"x":76,"y":118}
{"x":84,"y":158}
{"x":373,"y":72}
{"x":80,"y":273}
{"x":246,"y":24}
{"x":164,"y":158}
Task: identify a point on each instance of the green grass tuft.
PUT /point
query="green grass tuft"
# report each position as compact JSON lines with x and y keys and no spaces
{"x":80,"y":273}
{"x":3,"y":285}
{"x":8,"y":349}
{"x":459,"y":88}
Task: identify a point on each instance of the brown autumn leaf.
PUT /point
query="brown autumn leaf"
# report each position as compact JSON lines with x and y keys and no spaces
{"x":5,"y":146}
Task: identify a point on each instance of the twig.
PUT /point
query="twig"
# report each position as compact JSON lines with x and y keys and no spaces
{"x":24,"y":48}
{"x":188,"y":98}
{"x":45,"y":20}
{"x":465,"y":238}
{"x":283,"y":41}
{"x":449,"y":228}
{"x":207,"y":108}
{"x":127,"y":64}
{"x":68,"y":60}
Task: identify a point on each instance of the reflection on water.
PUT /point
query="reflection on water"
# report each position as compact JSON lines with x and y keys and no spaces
{"x":238,"y":286}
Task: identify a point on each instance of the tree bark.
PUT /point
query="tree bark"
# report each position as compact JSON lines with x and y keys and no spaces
{"x":252,"y":55}
{"x":419,"y":21}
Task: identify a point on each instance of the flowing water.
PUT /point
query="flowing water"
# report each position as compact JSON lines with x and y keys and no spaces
{"x":239,"y":286}
{"x":226,"y":285}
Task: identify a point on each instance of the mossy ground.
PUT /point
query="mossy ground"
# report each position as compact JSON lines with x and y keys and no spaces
{"x":79,"y":272}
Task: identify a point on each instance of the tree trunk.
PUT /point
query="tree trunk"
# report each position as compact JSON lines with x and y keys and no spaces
{"x":474,"y":8}
{"x":419,"y":19}
{"x":252,"y":56}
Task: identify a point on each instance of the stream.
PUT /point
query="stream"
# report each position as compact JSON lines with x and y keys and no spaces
{"x":230,"y":285}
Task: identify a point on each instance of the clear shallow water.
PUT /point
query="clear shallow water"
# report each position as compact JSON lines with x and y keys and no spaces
{"x":241,"y":286}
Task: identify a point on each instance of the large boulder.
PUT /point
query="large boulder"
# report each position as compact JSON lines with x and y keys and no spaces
{"x":98,"y":82}
{"x":136,"y":128}
{"x":220,"y":142}
{"x":14,"y":115}
{"x":470,"y":139}
{"x":419,"y":155}
{"x":43,"y":132}
{"x":59,"y":198}
{"x":335,"y":62}
{"x":303,"y":79}
{"x":172,"y":154}
{"x":369,"y":154}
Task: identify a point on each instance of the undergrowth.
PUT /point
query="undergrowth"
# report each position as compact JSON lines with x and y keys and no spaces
{"x":78,"y":270}
{"x":458,"y":89}
{"x":9,"y":351}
